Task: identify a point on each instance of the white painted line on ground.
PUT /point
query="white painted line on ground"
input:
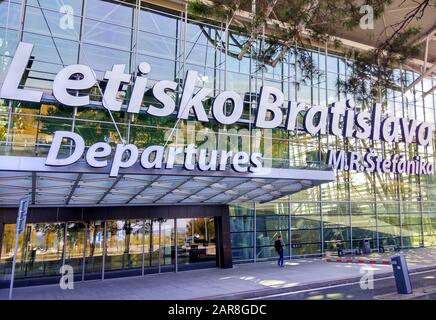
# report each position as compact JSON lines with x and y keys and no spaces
{"x":330,"y":287}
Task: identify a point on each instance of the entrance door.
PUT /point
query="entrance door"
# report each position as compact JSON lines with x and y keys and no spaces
{"x":162,"y":247}
{"x":124,"y":245}
{"x":75,"y":246}
{"x":93,"y":262}
{"x":196,"y":242}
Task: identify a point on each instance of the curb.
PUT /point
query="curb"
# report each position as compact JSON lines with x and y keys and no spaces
{"x":312,"y":285}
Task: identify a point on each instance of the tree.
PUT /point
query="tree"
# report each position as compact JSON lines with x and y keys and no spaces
{"x":292,"y":24}
{"x":373,"y":71}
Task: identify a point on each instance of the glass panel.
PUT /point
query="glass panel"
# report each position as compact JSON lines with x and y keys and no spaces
{"x":75,"y":245}
{"x":337,"y":237}
{"x":110,"y":12}
{"x":241,"y":239}
{"x":147,"y":243}
{"x":270,"y":252}
{"x":7,"y":251}
{"x":45,"y":249}
{"x":102,"y":59}
{"x":40,"y":250}
{"x":305,"y":228}
{"x":306,"y":249}
{"x":195,"y":240}
{"x":94,"y":248}
{"x":162,"y":244}
{"x":105,"y":34}
{"x":161,"y":69}
{"x":272,"y":223}
{"x":9,"y":15}
{"x":167,"y":243}
{"x":241,"y":210}
{"x":430,"y":240}
{"x":157,"y":23}
{"x":265,"y":243}
{"x":51,"y":23}
{"x":123,"y":244}
{"x":4,"y":119}
{"x":32,"y":133}
{"x":157,"y":46}
{"x":93,"y":132}
{"x":241,"y":224}
{"x":243,"y":254}
{"x":364,"y":225}
{"x":8,"y":43}
{"x":47,"y":48}
{"x":75,"y":5}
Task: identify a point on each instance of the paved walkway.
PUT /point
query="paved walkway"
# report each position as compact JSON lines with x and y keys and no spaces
{"x":222,"y":283}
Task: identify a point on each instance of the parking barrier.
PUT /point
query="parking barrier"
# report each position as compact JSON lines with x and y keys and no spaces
{"x":364,"y":261}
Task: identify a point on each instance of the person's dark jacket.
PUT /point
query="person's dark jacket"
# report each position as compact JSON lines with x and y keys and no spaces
{"x":278,"y":244}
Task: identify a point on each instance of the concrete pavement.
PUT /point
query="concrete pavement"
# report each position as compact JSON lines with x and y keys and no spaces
{"x":423,"y":288}
{"x":239,"y":282}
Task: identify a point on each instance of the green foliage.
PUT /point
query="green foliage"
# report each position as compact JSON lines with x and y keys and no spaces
{"x":294,"y":19}
{"x":3,"y":133}
{"x":289,"y":24}
{"x":373,"y":70}
{"x":201,"y":9}
{"x":216,"y":9}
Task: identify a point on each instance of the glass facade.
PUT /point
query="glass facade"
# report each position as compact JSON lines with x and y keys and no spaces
{"x":97,"y":247}
{"x":386,"y":208}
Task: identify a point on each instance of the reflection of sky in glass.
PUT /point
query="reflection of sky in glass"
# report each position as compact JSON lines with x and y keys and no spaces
{"x":102,"y":59}
{"x":9,"y":15}
{"x":107,"y":40}
{"x":107,"y":35}
{"x":47,"y":22}
{"x":115,"y":13}
{"x":157,"y":24}
{"x":57,"y":4}
{"x":44,"y":50}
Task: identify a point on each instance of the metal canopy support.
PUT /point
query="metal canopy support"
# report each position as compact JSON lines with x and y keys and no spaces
{"x":429,"y":91}
{"x":199,"y":190}
{"x":73,"y":188}
{"x":428,"y":35}
{"x":247,"y":192}
{"x":142,"y":190}
{"x":421,"y":77}
{"x":110,"y":188}
{"x":33,"y":187}
{"x":217,"y":194}
{"x":172,"y":190}
{"x":426,"y":71}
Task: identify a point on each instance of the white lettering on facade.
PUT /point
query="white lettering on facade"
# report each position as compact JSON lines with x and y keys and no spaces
{"x":72,"y":84}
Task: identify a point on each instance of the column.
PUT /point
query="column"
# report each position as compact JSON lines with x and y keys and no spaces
{"x":222,"y":226}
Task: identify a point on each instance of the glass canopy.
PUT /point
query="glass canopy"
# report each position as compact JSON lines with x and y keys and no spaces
{"x":86,"y":186}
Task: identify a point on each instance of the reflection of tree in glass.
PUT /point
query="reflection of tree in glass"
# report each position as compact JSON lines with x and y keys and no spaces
{"x":203,"y":229}
{"x":95,"y":125}
{"x":92,"y":230}
{"x":91,"y":132}
{"x":3,"y":127}
{"x":51,"y":231}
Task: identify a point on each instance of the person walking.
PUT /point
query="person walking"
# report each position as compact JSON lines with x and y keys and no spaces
{"x":278,"y":244}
